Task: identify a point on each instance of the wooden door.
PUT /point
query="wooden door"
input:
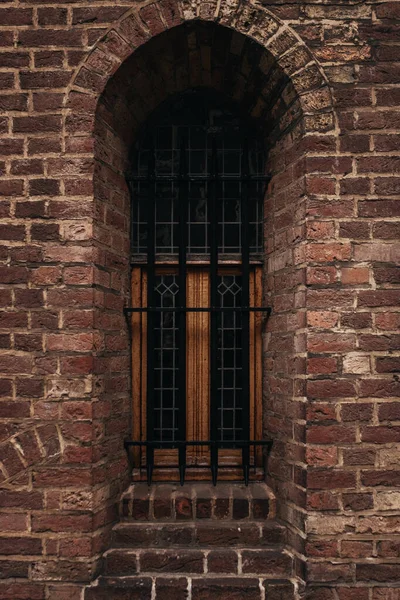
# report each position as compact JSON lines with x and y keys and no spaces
{"x":198,"y":404}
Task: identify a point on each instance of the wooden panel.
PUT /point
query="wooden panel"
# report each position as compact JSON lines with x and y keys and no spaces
{"x":198,"y":365}
{"x":198,"y":385}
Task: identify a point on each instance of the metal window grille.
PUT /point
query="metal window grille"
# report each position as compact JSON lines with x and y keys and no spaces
{"x":197,"y":191}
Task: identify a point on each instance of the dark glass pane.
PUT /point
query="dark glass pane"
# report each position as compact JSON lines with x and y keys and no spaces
{"x":197,"y":162}
{"x":231,"y":238}
{"x":199,"y":123}
{"x":198,"y":138}
{"x":229,"y":358}
{"x":163,"y":237}
{"x":231,"y":161}
{"x":164,"y":138}
{"x":166,"y":350}
{"x":232,"y":210}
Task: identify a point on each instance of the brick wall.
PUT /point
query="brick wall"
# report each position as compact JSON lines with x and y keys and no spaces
{"x":332,"y":273}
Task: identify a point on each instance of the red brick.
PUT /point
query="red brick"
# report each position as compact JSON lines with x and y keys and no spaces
{"x":379,"y":208}
{"x":151,"y":17}
{"x":80,"y":365}
{"x":331,"y":342}
{"x":322,"y":319}
{"x":171,"y":588}
{"x":107,"y":14}
{"x":29,"y":298}
{"x":222,"y":561}
{"x":58,"y":523}
{"x":13,"y":275}
{"x":12,"y":187}
{"x":21,"y":591}
{"x":259,"y":561}
{"x":355,"y":143}
{"x":7,"y":81}
{"x":386,"y":230}
{"x":322,"y":457}
{"x":357,"y":186}
{"x":43,"y":146}
{"x":49,"y":58}
{"x":323,"y":298}
{"x":19,"y":545}
{"x":380,"y":435}
{"x":16,"y":16}
{"x":388,"y":10}
{"x":358,"y":501}
{"x":389,"y":549}
{"x":44,"y":187}
{"x":328,"y":252}
{"x":355,"y":276}
{"x":78,"y":342}
{"x":13,"y":409}
{"x":379,"y":342}
{"x":330,"y":479}
{"x":52,"y":16}
{"x":330,"y":388}
{"x":328,"y":434}
{"x":322,"y":365}
{"x":15,"y":364}
{"x":322,"y":275}
{"x":354,"y":230}
{"x":45,"y":232}
{"x":10,"y":146}
{"x":386,"y":143}
{"x":357,"y":412}
{"x":378,"y":572}
{"x":50,"y":37}
{"x":380,"y":478}
{"x":218,"y":589}
{"x":387,"y":275}
{"x":388,"y":365}
{"x":14,"y":59}
{"x":28,"y":343}
{"x":360,"y":456}
{"x":172,"y":561}
{"x":356,"y":549}
{"x":41,"y":124}
{"x":47,"y":101}
{"x":379,"y":388}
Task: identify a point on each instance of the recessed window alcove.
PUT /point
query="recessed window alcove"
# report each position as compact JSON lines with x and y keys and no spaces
{"x":243,"y":98}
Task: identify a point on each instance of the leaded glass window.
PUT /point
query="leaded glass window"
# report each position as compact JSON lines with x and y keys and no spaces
{"x":196,"y":126}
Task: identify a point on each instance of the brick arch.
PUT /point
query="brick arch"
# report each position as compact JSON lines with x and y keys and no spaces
{"x":140,"y":24}
{"x":30,"y":449}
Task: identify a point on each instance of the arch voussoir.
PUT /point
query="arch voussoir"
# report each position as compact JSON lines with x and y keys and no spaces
{"x":138,"y":25}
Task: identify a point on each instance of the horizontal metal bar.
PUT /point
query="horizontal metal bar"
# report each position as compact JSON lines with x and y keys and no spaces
{"x":172,"y":444}
{"x":215,"y":309}
{"x":171,"y":467}
{"x":194,"y":178}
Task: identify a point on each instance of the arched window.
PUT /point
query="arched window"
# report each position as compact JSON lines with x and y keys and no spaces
{"x":197,"y":189}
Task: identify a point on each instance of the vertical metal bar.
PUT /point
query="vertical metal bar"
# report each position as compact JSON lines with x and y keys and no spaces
{"x":151,"y":259}
{"x":183,"y":239}
{"x":213,"y":212}
{"x":134,"y":204}
{"x":245,"y":315}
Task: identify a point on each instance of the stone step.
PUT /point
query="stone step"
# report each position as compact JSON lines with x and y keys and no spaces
{"x":226,"y":501}
{"x":195,"y":588}
{"x":262,"y":562}
{"x":198,"y":534}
